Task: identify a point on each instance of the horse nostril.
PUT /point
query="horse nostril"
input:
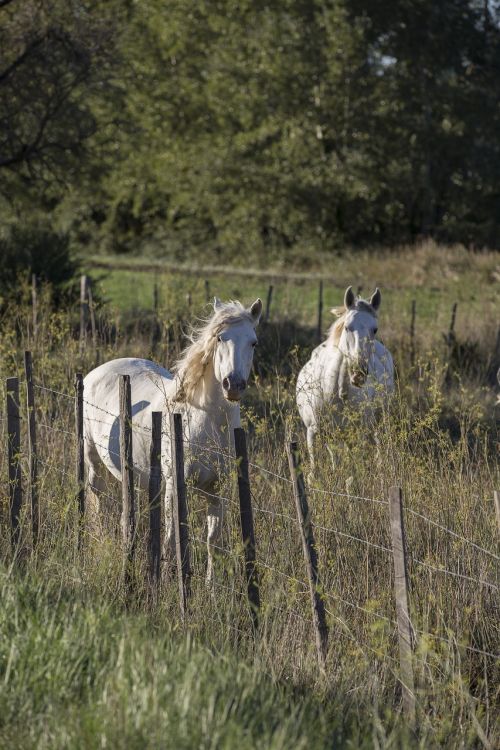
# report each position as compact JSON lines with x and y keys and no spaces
{"x":226,"y":384}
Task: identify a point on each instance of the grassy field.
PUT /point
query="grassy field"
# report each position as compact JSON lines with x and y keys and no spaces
{"x":79,"y":668}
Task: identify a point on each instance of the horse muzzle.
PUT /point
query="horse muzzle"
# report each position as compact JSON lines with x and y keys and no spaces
{"x":358,"y":378}
{"x":233,"y":388}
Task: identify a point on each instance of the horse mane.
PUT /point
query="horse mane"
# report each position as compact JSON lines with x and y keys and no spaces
{"x":335,"y":330}
{"x":191,"y":365}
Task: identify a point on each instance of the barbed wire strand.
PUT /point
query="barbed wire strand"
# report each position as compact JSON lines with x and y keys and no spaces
{"x":452,"y":533}
{"x":454,"y":574}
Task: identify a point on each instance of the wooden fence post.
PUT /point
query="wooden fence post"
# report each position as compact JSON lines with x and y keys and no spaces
{"x":14,"y":457}
{"x":268,"y":303}
{"x":309,"y":550}
{"x":246,"y":520}
{"x":496,"y":498}
{"x":320,"y":312}
{"x":80,"y":464}
{"x":155,"y":298}
{"x":34,"y":306}
{"x":180,"y":512}
{"x":412,"y":331}
{"x":93,"y":327}
{"x":32,"y":454}
{"x":155,"y":498}
{"x":127,"y":471}
{"x":207,"y":290}
{"x":451,"y":330}
{"x":402,"y":606}
{"x":84,"y":310}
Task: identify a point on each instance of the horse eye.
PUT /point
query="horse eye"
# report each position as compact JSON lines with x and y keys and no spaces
{"x":254,"y":343}
{"x":375,"y":331}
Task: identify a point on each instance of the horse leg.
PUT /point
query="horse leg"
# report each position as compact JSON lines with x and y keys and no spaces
{"x":168,"y":547}
{"x":311,"y":434}
{"x":214,"y":518}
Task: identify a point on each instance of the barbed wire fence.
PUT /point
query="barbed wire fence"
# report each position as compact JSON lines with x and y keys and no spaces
{"x":253,"y":544}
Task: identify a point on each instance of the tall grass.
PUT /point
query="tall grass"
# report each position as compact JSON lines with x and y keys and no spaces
{"x":80,"y":668}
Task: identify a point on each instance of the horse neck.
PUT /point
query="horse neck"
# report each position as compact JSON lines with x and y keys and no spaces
{"x":217,"y":408}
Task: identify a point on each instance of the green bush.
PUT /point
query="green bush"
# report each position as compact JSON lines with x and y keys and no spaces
{"x":35,"y":250}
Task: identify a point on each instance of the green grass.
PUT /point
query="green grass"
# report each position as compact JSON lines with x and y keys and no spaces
{"x":435,"y":277}
{"x":76,"y":671}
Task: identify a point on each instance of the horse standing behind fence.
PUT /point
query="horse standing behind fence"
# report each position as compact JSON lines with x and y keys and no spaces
{"x":350,"y":366}
{"x":207,"y":384}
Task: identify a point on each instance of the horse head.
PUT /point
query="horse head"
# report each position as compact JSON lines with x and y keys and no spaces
{"x":235,"y":344}
{"x":358,"y":334}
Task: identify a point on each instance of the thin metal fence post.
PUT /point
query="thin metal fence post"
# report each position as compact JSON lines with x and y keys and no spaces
{"x":127,"y":471}
{"x":309,"y":550}
{"x":247,"y":527}
{"x":402,"y":606}
{"x":80,"y":464}
{"x":14,"y":458}
{"x":320,"y":312}
{"x":180,"y":513}
{"x":32,"y":454}
{"x":155,"y":498}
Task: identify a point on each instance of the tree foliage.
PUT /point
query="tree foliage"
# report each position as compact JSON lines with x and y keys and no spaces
{"x":253,"y":126}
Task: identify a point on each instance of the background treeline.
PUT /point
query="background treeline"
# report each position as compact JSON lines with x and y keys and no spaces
{"x":229,"y":128}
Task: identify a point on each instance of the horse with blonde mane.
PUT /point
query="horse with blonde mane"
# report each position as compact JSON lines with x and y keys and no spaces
{"x":208,"y":382}
{"x":350,"y":366}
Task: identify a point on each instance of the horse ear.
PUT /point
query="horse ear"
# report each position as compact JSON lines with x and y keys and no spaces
{"x":256,"y":310}
{"x":376,"y":299}
{"x":349,"y":298}
{"x":217,"y":304}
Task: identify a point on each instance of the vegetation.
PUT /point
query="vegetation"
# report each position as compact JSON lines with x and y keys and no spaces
{"x":80,"y":667}
{"x":268,"y":129}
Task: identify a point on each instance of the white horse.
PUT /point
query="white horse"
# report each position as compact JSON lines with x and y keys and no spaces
{"x":351,"y":365}
{"x":209,"y":380}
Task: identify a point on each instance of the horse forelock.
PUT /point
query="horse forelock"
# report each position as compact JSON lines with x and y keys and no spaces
{"x":190,"y":367}
{"x":335,"y":330}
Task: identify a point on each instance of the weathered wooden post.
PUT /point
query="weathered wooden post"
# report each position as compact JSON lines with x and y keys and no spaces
{"x":246,"y":521}
{"x":496,"y":498}
{"x":155,"y":498}
{"x":320,"y":312}
{"x":155,"y":298}
{"x":180,"y":512}
{"x":156,"y":335}
{"x":127,"y":471}
{"x":80,"y":464}
{"x":32,"y":454}
{"x":402,"y":606}
{"x":207,"y":290}
{"x":412,"y":331}
{"x":309,"y":550}
{"x":34,"y":307}
{"x":451,"y":330}
{"x":14,"y":458}
{"x":93,"y":326}
{"x":268,"y":303}
{"x":84,"y":311}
